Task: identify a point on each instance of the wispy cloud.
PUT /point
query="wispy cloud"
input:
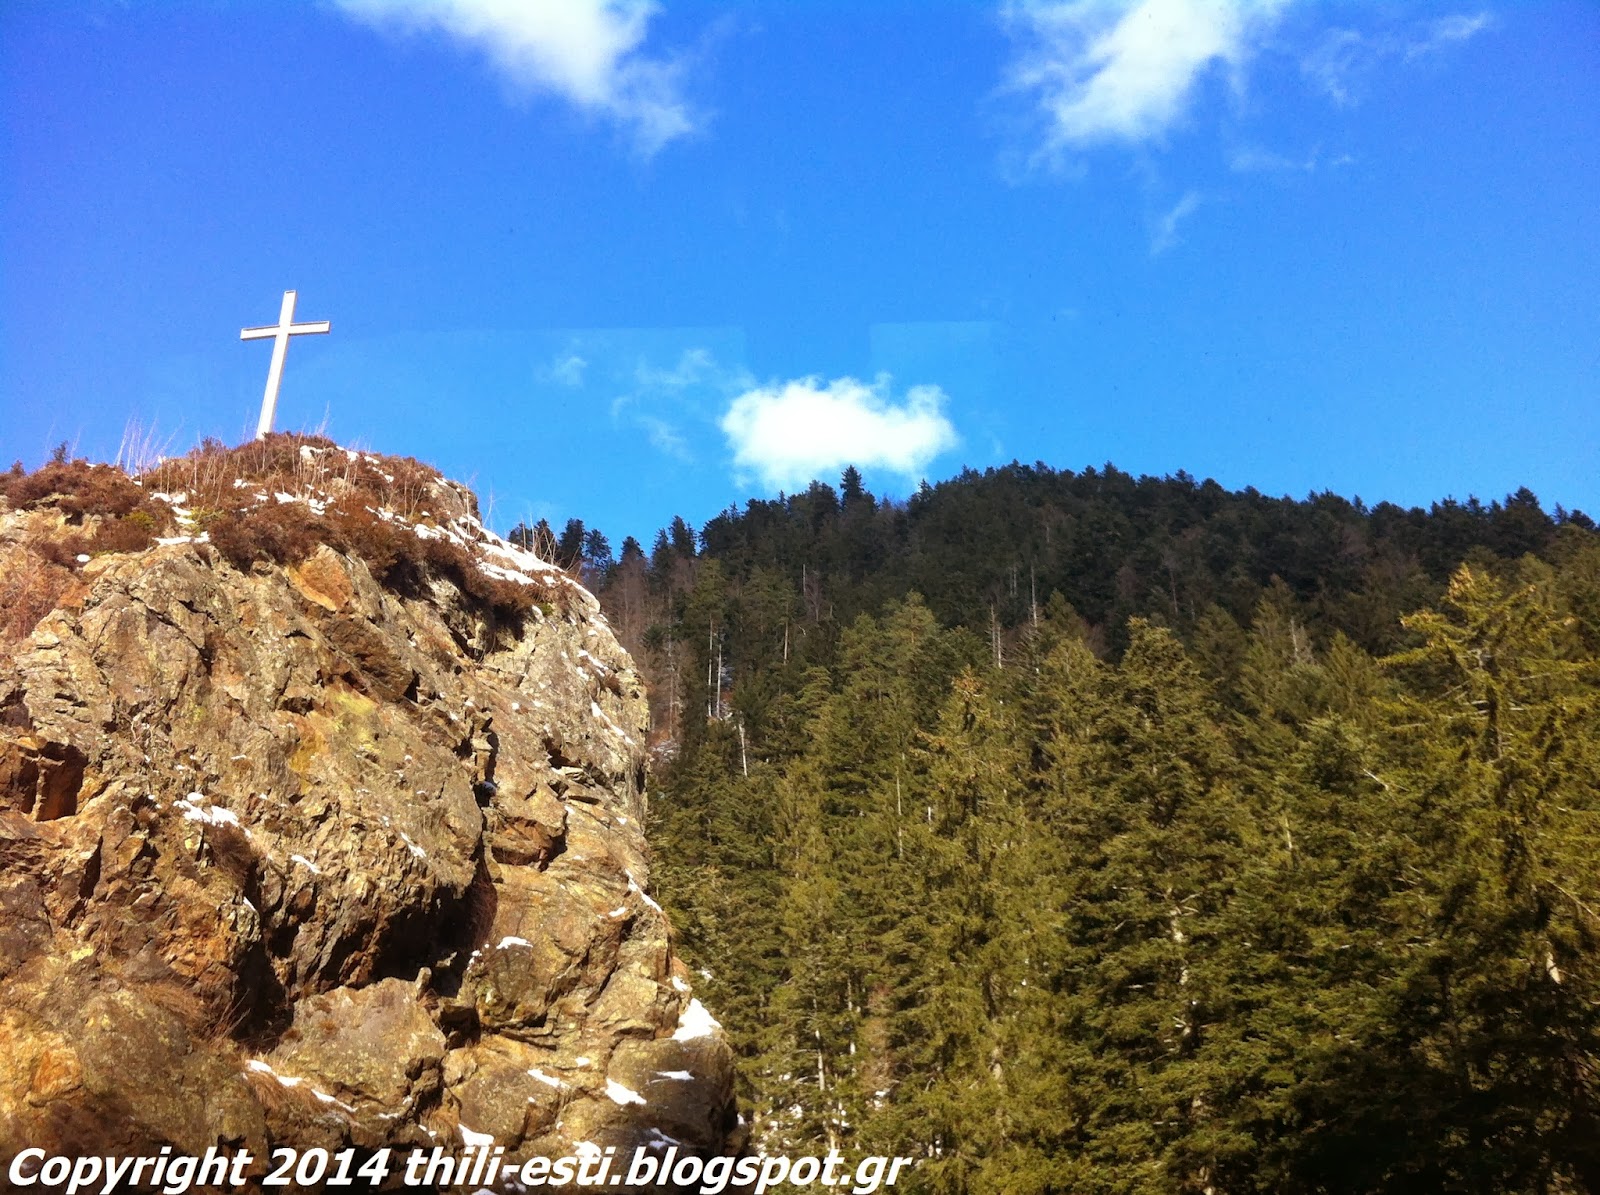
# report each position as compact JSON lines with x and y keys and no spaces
{"x":1127,"y":72}
{"x":566,"y":370}
{"x":695,"y":367}
{"x":788,"y":433}
{"x":1343,"y":59}
{"x":1165,"y":235}
{"x":677,"y":390}
{"x":1338,"y":63}
{"x":1447,"y":31}
{"x":1253,"y":159}
{"x":1103,"y":71}
{"x":664,"y":437}
{"x":587,"y":51}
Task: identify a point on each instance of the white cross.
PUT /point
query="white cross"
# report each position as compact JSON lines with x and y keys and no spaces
{"x":279,"y":333}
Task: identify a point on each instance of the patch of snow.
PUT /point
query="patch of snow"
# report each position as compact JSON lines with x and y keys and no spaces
{"x":600,"y":714}
{"x":633,"y":886}
{"x":618,"y":1094}
{"x":263,"y":1068}
{"x":676,"y":1076}
{"x":328,"y":1099}
{"x":507,"y":942}
{"x":214,"y":816}
{"x":468,"y":1137}
{"x":548,"y":1080}
{"x":504,"y":574}
{"x":679,"y":985}
{"x":695,"y":1022}
{"x":306,"y":863}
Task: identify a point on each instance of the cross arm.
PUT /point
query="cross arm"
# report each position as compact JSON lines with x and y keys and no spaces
{"x":293,"y":330}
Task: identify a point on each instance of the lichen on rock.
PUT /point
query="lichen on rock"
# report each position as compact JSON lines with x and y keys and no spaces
{"x":316,"y":843}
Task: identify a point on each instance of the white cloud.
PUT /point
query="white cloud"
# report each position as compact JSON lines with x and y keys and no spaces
{"x":791,"y":432}
{"x":1105,"y":71}
{"x":664,"y":437}
{"x":663,"y":434}
{"x":1166,"y":230}
{"x":1253,"y":159}
{"x":695,"y":367}
{"x":1339,"y":63}
{"x":673,"y":389}
{"x":587,"y":51}
{"x":1342,"y":59}
{"x":1446,"y":31}
{"x":565,"y":371}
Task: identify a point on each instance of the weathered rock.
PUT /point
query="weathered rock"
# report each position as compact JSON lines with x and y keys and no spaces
{"x":290,"y":857}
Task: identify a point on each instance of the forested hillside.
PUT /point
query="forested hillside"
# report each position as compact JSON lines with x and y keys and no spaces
{"x":1077,"y":832}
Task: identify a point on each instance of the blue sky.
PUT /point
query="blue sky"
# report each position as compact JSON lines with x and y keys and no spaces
{"x":621,"y":261}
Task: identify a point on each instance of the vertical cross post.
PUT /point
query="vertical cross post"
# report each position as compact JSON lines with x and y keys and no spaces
{"x":279,"y":334}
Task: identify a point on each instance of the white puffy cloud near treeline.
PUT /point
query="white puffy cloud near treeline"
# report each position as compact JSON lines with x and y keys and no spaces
{"x":788,"y":433}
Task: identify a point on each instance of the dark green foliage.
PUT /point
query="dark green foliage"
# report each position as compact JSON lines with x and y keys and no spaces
{"x":569,"y":548}
{"x":1078,"y":833}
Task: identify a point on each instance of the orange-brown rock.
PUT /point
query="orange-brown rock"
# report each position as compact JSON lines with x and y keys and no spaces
{"x":295,"y":855}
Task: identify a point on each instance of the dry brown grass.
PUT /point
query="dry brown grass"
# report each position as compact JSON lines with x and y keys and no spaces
{"x":232,"y":494}
{"x":101,"y":509}
{"x":284,"y":1104}
{"x":218,"y":478}
{"x":76,"y":488}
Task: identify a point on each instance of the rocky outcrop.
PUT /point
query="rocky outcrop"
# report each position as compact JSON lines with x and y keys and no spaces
{"x":302,"y":853}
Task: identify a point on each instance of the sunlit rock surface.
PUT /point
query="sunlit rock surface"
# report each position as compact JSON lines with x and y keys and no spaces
{"x":290,"y":856}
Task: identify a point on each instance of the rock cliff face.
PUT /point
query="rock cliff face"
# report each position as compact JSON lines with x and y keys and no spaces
{"x":329,"y":849}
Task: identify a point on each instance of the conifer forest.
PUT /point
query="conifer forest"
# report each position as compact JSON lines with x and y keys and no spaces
{"x":1077,"y":832}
